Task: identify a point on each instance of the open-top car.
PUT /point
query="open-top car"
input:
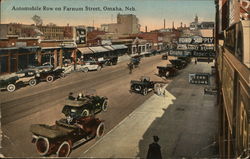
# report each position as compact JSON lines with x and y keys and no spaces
{"x":89,"y":66}
{"x":27,"y":76}
{"x":84,"y":106}
{"x":178,"y":63}
{"x":167,"y":71}
{"x":9,"y":83}
{"x":143,"y":86}
{"x":63,"y":136}
{"x":50,"y":75}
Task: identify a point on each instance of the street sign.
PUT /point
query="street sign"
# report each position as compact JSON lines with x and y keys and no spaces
{"x":196,"y":40}
{"x":203,"y":53}
{"x":199,"y":78}
{"x":179,"y":53}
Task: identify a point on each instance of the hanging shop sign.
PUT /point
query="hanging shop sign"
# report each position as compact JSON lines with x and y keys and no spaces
{"x":179,"y":53}
{"x":199,"y":78}
{"x":203,"y":53}
{"x":196,"y":40}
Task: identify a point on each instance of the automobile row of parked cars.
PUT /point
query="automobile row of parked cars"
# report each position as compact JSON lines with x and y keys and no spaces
{"x":30,"y":76}
{"x":35,"y":74}
{"x":171,"y":70}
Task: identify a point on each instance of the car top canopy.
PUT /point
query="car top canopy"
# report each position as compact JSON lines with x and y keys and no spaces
{"x":85,"y":50}
{"x":98,"y":49}
{"x":116,"y":47}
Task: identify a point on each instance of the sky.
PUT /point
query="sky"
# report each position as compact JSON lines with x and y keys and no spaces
{"x":151,"y":13}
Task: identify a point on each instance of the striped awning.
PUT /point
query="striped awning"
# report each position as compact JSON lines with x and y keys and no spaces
{"x":119,"y":47}
{"x":85,"y":50}
{"x":98,"y":49}
{"x":109,"y":48}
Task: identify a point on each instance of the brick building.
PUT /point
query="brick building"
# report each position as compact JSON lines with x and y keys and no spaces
{"x":232,"y":33}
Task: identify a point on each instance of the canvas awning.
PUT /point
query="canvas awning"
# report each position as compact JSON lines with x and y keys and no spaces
{"x":119,"y":47}
{"x":97,"y":49}
{"x":48,"y":48}
{"x":109,"y":48}
{"x":85,"y":50}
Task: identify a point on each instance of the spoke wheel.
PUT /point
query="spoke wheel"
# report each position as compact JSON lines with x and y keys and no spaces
{"x":64,"y":149}
{"x":32,"y":82}
{"x":11,"y":88}
{"x":100,"y":130}
{"x":42,"y":146}
{"x":50,"y":78}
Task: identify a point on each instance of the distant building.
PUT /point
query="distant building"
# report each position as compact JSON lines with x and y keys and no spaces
{"x":126,"y":24}
{"x":202,"y":25}
{"x":20,"y":30}
{"x":90,"y":28}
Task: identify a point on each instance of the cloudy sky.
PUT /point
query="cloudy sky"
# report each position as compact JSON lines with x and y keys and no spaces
{"x":150,"y":12}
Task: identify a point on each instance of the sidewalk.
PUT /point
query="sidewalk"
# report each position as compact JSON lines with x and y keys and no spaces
{"x":184,"y":119}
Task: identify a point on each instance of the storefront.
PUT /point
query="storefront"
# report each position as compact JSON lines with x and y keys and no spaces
{"x":18,"y":58}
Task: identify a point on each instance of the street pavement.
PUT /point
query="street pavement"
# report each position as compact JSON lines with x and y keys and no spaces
{"x":184,"y":119}
{"x":43,"y":103}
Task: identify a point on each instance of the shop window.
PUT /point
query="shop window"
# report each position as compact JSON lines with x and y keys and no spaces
{"x":4,"y":64}
{"x":22,"y":61}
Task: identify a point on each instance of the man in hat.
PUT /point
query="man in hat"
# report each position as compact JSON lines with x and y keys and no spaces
{"x":70,"y":97}
{"x":154,"y":150}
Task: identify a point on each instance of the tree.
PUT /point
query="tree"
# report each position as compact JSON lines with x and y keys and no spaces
{"x":37,"y":19}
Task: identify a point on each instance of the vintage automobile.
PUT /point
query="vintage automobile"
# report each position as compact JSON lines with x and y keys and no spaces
{"x":135,"y":61}
{"x":89,"y":66}
{"x":143,"y":86}
{"x":63,"y":136}
{"x":50,"y":75}
{"x":27,"y":76}
{"x":9,"y":83}
{"x":112,"y":60}
{"x":179,"y":64}
{"x":167,"y":71}
{"x":84,"y":106}
{"x":164,"y":57}
{"x":187,"y":59}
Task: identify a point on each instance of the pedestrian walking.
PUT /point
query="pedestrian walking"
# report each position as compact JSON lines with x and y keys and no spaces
{"x":154,"y":150}
{"x":130,"y":67}
{"x":195,"y":61}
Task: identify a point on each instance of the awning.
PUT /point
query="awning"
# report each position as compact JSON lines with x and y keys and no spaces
{"x":98,"y":49}
{"x":109,"y":48}
{"x":119,"y":47}
{"x":85,"y":50}
{"x":48,"y":48}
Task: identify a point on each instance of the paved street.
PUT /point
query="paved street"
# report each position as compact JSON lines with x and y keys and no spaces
{"x":185,"y":119}
{"x":43,"y":103}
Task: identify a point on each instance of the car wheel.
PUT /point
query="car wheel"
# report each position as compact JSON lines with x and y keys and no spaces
{"x":145,"y":91}
{"x":99,"y":68}
{"x":85,"y":69}
{"x":105,"y":105}
{"x":85,"y":112}
{"x":42,"y":146}
{"x":11,"y":88}
{"x":32,"y":82}
{"x":138,"y":88}
{"x":100,"y":130}
{"x":64,"y":149}
{"x":50,"y":78}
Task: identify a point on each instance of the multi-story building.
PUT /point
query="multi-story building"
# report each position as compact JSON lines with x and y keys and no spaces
{"x":126,"y":24}
{"x":232,"y":33}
